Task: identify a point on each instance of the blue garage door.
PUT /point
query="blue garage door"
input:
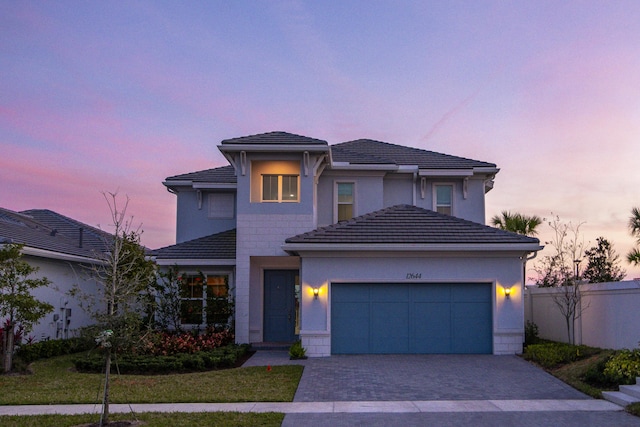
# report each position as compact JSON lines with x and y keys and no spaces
{"x":445,"y":318}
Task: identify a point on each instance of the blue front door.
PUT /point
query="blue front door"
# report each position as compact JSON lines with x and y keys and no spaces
{"x":280,"y":305}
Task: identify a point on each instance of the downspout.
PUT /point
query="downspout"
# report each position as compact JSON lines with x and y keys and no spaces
{"x":524,"y":276}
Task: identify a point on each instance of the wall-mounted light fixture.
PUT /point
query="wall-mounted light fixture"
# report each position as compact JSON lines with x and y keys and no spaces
{"x":316,"y":291}
{"x":507,"y":292}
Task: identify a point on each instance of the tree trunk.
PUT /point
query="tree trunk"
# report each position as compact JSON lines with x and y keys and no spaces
{"x":104,"y":419}
{"x":8,"y":350}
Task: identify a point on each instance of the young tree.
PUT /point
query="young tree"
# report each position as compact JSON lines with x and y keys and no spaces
{"x":123,"y":273}
{"x":556,"y":271}
{"x":603,"y":263}
{"x":17,"y":303}
{"x":633,"y":257}
{"x":517,"y":223}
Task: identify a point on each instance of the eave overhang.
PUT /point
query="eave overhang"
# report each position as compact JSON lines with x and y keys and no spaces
{"x":43,"y":253}
{"x":195,"y":261}
{"x":297,"y":248}
{"x":268,"y":148}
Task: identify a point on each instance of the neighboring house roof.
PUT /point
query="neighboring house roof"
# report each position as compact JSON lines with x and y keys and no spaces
{"x":214,"y":247}
{"x":366,"y":151}
{"x":92,"y":237}
{"x":408,"y":225}
{"x":224,"y":174}
{"x":275,"y":138}
{"x":45,"y":239}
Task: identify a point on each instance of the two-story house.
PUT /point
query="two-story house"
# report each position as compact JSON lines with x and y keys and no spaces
{"x":358,"y":247}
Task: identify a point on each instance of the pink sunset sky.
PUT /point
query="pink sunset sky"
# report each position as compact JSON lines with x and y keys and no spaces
{"x":117,"y":96}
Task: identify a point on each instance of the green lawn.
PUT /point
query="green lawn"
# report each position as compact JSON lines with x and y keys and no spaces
{"x":54,"y":382}
{"x":152,"y":419}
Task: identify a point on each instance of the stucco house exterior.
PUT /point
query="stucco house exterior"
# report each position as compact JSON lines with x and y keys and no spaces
{"x":357,"y":247}
{"x":63,"y":250}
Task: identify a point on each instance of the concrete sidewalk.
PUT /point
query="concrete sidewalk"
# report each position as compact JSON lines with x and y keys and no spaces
{"x":356,"y":407}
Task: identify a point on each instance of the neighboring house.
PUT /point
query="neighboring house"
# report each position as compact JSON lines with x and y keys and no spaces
{"x":62,"y":249}
{"x":358,"y":247}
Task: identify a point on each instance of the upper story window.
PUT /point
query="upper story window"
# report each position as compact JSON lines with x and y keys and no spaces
{"x":344,"y":200}
{"x":443,"y":195}
{"x":275,"y":181}
{"x":280,"y":188}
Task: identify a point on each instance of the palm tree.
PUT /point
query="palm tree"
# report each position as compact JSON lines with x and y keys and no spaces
{"x":634,"y":226}
{"x":517,"y":223}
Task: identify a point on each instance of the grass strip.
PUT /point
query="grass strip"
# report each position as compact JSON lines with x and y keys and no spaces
{"x":53,"y":381}
{"x":152,"y":419}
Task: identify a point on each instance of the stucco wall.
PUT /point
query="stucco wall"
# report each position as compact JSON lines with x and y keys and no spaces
{"x":610,"y":315}
{"x":63,"y":275}
{"x":322,"y":270}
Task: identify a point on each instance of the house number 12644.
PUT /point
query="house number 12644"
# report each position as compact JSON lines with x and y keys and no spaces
{"x":414,"y":275}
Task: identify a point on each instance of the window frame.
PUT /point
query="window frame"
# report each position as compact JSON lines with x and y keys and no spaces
{"x":336,"y":200}
{"x":280,"y":188}
{"x":451,"y":205}
{"x":202,"y":294}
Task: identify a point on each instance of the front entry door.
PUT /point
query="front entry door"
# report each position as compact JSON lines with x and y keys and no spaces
{"x":279,"y":305}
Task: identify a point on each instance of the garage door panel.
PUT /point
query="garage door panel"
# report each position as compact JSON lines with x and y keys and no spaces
{"x":389,"y":327}
{"x":431,"y":293}
{"x":389,"y":293}
{"x":412,"y":318}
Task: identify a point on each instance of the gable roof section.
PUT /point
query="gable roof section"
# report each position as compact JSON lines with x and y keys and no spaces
{"x":367,"y":151}
{"x":44,"y":237}
{"x":406,"y":227}
{"x":223,"y":175}
{"x":220,"y":246}
{"x":275,"y":138}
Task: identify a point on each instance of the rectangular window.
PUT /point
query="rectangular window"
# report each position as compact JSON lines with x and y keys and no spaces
{"x":205,"y":300}
{"x":221,"y":205}
{"x":344,"y":201}
{"x":280,"y":188}
{"x":444,"y":199}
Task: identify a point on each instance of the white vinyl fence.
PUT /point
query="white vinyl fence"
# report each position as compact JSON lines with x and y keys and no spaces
{"x":610,"y":314}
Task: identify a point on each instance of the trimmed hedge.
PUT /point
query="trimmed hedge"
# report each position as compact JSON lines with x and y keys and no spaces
{"x":220,"y":358}
{"x":550,"y":355}
{"x":44,"y":349}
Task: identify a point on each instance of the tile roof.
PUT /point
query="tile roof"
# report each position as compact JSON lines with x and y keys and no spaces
{"x":224,"y":174}
{"x":275,"y":138}
{"x":216,"y":246}
{"x":367,"y":151}
{"x":406,"y":224}
{"x":47,"y":230}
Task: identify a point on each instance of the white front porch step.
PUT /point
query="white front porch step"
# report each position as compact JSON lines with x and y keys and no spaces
{"x":619,"y":398}
{"x":631,"y":390}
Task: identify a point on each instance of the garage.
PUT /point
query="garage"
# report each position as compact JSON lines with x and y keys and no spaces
{"x":405,"y":318}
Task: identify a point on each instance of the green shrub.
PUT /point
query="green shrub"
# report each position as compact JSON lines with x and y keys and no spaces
{"x":220,"y":358}
{"x":297,"y":351}
{"x":531,"y":333}
{"x":51,"y":348}
{"x":623,"y":367}
{"x":550,"y":355}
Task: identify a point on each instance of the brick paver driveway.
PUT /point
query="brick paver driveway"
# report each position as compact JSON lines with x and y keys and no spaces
{"x":427,"y":377}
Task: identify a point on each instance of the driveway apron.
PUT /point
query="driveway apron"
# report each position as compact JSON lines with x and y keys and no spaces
{"x":471,"y":382}
{"x":427,"y":377}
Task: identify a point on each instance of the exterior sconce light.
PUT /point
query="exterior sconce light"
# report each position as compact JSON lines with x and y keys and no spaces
{"x":316,"y":291}
{"x":507,"y":292}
